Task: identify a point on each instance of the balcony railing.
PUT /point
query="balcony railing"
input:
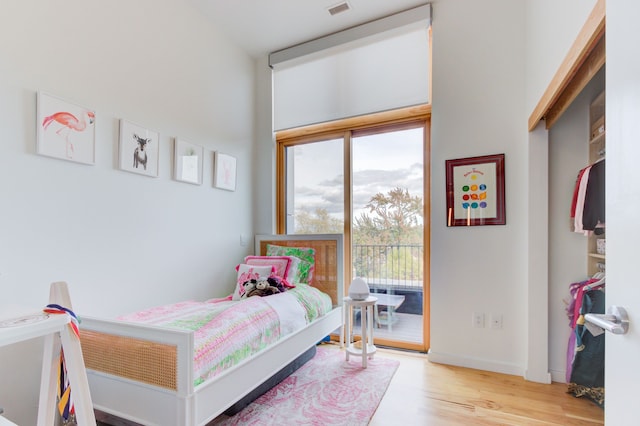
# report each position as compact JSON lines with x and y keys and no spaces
{"x":399,"y":267}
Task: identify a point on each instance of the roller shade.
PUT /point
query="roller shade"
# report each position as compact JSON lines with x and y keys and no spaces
{"x":360,"y":71}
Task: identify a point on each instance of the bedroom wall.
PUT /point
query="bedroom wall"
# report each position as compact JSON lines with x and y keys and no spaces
{"x":122,"y":241}
{"x":551,"y":28}
{"x":478,"y":109}
{"x":476,"y":81}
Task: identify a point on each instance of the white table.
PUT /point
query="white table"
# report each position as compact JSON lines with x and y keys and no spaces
{"x":392,"y":302}
{"x":57,"y":333}
{"x":5,"y":422}
{"x":367,"y":349}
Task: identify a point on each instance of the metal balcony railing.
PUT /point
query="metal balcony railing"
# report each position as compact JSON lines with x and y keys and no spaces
{"x":399,"y":267}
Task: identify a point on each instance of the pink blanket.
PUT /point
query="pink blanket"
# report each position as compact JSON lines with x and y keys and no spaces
{"x":226,"y":332}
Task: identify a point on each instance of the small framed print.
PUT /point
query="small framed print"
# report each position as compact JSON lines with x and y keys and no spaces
{"x":224,"y":171}
{"x":475,"y":191}
{"x":139,"y":148}
{"x":65,"y":130}
{"x":188,"y":160}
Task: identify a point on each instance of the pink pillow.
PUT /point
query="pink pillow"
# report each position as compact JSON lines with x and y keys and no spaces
{"x":280,"y":263}
{"x":246,"y":273}
{"x":286,"y":267}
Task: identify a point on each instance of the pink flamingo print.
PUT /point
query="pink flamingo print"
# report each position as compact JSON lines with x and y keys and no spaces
{"x":69,"y":122}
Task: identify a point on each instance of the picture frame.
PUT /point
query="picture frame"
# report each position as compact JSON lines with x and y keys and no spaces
{"x":138,"y":149}
{"x":224,"y":171}
{"x":187,"y":162}
{"x":65,"y":130}
{"x":476,"y":191}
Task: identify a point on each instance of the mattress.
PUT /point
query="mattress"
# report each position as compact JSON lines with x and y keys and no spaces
{"x":227,"y":332}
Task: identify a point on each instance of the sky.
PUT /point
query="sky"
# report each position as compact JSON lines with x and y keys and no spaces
{"x":380,"y":162}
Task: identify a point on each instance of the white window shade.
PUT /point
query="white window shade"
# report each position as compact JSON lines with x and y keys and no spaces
{"x":377,"y":73}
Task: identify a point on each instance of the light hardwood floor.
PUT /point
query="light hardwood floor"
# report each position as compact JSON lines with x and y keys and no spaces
{"x":424,"y":393}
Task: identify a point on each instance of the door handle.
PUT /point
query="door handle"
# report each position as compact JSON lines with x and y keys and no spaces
{"x":615,"y":320}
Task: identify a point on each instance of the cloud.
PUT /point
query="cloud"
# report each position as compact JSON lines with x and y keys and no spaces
{"x":328,"y":194}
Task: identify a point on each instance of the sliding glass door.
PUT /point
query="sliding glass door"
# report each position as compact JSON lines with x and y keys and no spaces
{"x":387,"y":227}
{"x":369,"y":184}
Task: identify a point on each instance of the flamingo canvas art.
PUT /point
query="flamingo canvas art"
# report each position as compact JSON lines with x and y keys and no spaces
{"x":65,"y":130}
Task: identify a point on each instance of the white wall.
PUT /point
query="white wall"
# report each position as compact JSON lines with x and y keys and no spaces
{"x":552,"y":28}
{"x":479,"y":109}
{"x":265,"y":176}
{"x":489,"y":77}
{"x":122,"y":241}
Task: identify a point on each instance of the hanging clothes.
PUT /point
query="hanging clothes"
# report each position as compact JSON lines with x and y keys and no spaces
{"x":594,"y":200}
{"x":588,"y":202}
{"x":585,"y":351}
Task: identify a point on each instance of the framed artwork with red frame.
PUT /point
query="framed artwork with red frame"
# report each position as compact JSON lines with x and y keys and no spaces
{"x":475,"y":191}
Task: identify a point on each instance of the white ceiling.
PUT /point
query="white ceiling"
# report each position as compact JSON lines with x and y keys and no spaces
{"x":263,"y":26}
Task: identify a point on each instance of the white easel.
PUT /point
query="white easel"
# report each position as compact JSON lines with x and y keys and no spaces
{"x":58,"y":334}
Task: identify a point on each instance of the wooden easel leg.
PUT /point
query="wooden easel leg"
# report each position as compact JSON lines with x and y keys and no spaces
{"x":66,"y":339}
{"x":49,"y":380}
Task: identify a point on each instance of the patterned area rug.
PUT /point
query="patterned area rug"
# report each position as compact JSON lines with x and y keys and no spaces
{"x":326,"y":391}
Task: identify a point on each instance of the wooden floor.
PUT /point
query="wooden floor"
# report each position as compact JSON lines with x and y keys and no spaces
{"x":424,"y":393}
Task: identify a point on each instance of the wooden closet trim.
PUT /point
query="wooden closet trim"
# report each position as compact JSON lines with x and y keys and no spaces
{"x":584,"y":59}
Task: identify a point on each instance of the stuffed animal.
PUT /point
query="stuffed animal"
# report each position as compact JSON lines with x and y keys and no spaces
{"x":262,"y":288}
{"x":249,"y":286}
{"x":277,"y":282}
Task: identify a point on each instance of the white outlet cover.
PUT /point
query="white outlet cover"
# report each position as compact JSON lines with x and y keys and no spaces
{"x":496,"y":321}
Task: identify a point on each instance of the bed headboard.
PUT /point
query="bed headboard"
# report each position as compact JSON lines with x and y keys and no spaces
{"x":329,"y":266}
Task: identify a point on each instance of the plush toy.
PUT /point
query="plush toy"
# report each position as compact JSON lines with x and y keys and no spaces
{"x":277,"y":282}
{"x":262,"y":288}
{"x":249,"y":286}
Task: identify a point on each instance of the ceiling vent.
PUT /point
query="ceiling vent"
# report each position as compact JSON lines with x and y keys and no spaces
{"x":339,"y":8}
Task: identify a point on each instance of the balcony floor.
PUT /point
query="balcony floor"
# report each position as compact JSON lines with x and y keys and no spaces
{"x":405,"y":328}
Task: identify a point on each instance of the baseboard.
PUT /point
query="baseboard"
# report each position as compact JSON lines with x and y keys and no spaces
{"x":476,"y":363}
{"x":538,"y":376}
{"x":559,"y":376}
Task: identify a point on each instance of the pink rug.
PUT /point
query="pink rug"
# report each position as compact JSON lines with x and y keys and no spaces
{"x":326,"y":391}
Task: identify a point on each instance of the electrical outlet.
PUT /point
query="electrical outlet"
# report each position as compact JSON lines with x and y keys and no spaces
{"x":478,"y":320}
{"x":496,"y":321}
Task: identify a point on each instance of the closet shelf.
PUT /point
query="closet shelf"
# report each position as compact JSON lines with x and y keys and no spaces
{"x":597,"y":150}
{"x":597,"y":139}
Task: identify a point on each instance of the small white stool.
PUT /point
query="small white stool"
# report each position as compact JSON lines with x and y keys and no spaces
{"x":366,"y":321}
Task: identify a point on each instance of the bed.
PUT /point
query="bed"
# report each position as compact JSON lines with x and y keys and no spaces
{"x":144,"y":373}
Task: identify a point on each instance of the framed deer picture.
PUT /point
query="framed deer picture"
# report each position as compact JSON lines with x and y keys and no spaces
{"x":139,"y":148}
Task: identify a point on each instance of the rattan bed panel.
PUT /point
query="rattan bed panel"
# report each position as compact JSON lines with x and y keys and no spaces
{"x":325,"y":277}
{"x":132,"y":358}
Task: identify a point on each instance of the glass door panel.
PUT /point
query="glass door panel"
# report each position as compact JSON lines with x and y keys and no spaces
{"x":388,"y":228}
{"x":315,"y":188}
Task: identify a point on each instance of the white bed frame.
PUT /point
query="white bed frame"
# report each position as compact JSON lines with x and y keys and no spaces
{"x":185,"y":404}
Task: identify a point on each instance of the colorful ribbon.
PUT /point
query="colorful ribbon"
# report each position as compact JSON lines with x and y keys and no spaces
{"x":65,"y":403}
{"x":53,"y":308}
